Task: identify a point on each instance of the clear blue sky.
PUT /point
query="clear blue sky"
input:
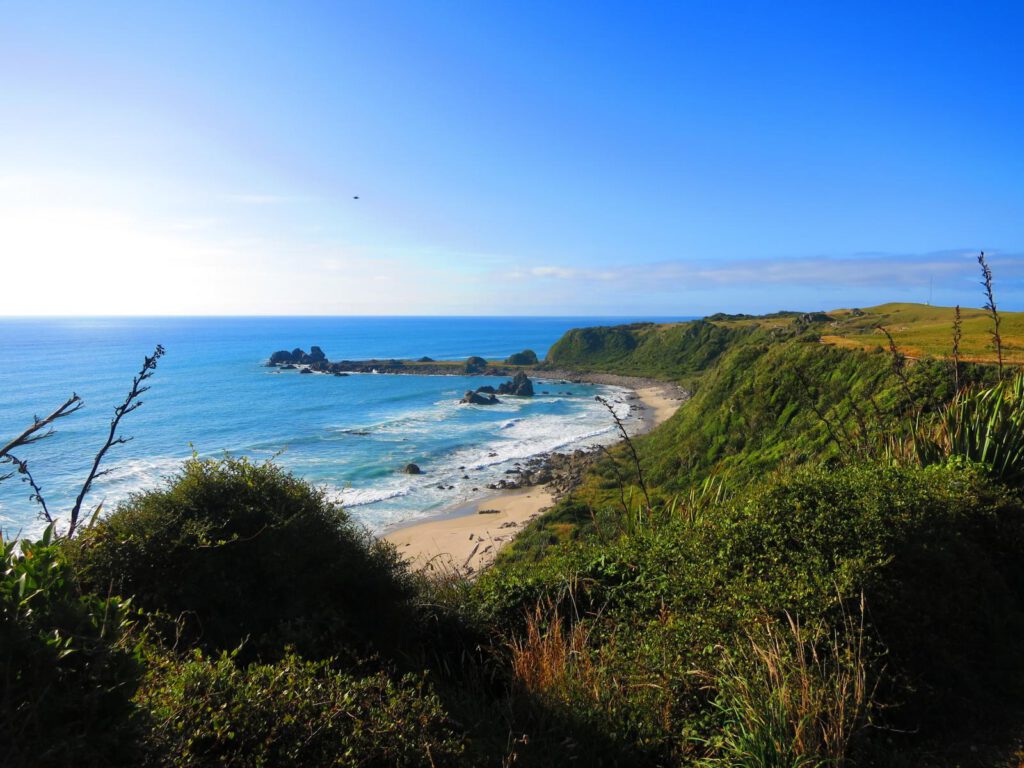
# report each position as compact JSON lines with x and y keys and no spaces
{"x":509,"y":157}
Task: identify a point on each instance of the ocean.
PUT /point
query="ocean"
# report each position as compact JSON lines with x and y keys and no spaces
{"x":212,"y":395}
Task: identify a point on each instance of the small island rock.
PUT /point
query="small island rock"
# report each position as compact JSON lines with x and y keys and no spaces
{"x":520,"y":386}
{"x":476,"y":398}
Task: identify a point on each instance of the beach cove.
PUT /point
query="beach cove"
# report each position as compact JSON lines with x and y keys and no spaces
{"x":466,"y":538}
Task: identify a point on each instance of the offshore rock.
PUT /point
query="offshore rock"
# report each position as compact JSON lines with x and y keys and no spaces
{"x":520,"y":386}
{"x":476,"y":398}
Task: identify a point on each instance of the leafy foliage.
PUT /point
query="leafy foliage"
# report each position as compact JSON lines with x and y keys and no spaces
{"x":475,"y":364}
{"x":213,"y":712}
{"x":68,"y":663}
{"x":930,"y":550}
{"x":245,"y":552}
{"x":644,"y":349}
{"x":983,"y":425}
{"x":526,"y":357}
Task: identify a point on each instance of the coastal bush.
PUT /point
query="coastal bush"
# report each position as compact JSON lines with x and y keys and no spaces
{"x":67,"y":662}
{"x":212,"y":712}
{"x":526,"y":357}
{"x":933,"y":552}
{"x":475,"y":364}
{"x":673,"y":351}
{"x":234,"y":551}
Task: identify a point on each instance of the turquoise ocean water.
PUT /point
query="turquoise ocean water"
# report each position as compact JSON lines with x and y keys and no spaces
{"x":212,"y":394}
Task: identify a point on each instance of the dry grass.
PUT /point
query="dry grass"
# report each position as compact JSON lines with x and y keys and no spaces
{"x":924,"y":331}
{"x":553,"y":661}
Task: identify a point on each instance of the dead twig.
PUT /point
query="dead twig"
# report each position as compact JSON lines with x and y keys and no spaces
{"x":37,"y":492}
{"x":30,"y":435}
{"x":632,"y":449}
{"x":131,"y":403}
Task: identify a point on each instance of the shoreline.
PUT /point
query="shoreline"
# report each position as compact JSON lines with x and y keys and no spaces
{"x":464,"y":541}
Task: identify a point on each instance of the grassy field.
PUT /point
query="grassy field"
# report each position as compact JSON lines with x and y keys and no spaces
{"x":921,"y":330}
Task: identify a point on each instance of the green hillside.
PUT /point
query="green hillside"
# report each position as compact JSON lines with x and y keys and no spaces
{"x":679,"y":350}
{"x":921,"y":330}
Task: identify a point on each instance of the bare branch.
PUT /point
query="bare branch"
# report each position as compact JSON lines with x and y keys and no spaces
{"x":812,"y":401}
{"x":130,"y":403}
{"x":899,"y":364}
{"x":37,"y":492}
{"x":34,"y":433}
{"x":618,"y":479}
{"x":632,"y":449}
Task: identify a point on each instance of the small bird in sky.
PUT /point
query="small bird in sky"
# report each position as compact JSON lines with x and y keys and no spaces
{"x":355,"y":197}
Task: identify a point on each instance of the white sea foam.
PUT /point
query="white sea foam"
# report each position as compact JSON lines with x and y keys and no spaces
{"x":357,"y":497}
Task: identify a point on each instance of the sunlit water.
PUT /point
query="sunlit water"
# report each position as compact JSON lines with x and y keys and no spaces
{"x":353,"y":435}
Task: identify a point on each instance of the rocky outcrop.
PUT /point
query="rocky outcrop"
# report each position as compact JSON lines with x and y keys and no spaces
{"x":424,"y":366}
{"x":298,"y":357}
{"x":559,"y":472}
{"x":412,"y":469}
{"x":520,"y":386}
{"x":478,"y":398}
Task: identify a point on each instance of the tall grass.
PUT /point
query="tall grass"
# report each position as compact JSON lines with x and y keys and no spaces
{"x":793,"y":695}
{"x":552,"y":659}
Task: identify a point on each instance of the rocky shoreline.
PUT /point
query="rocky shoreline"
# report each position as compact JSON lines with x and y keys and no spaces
{"x":557,"y":472}
{"x":315,"y":361}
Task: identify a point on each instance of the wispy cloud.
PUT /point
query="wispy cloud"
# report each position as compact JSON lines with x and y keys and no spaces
{"x":857,"y":270}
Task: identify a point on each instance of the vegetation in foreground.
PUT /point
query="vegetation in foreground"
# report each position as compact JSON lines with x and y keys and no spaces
{"x":828,"y":573}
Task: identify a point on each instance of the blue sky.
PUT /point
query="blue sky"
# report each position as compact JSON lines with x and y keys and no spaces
{"x":509,"y":158}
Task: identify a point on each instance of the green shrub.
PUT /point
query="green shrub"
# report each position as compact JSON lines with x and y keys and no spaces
{"x":247,"y":552}
{"x":66,"y":661}
{"x":935,"y":552}
{"x":526,"y":357}
{"x":475,"y":364}
{"x":983,"y":425}
{"x":206,"y":712}
{"x":645,"y":349}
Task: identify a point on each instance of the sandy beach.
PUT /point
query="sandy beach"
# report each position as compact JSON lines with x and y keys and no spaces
{"x":470,"y":537}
